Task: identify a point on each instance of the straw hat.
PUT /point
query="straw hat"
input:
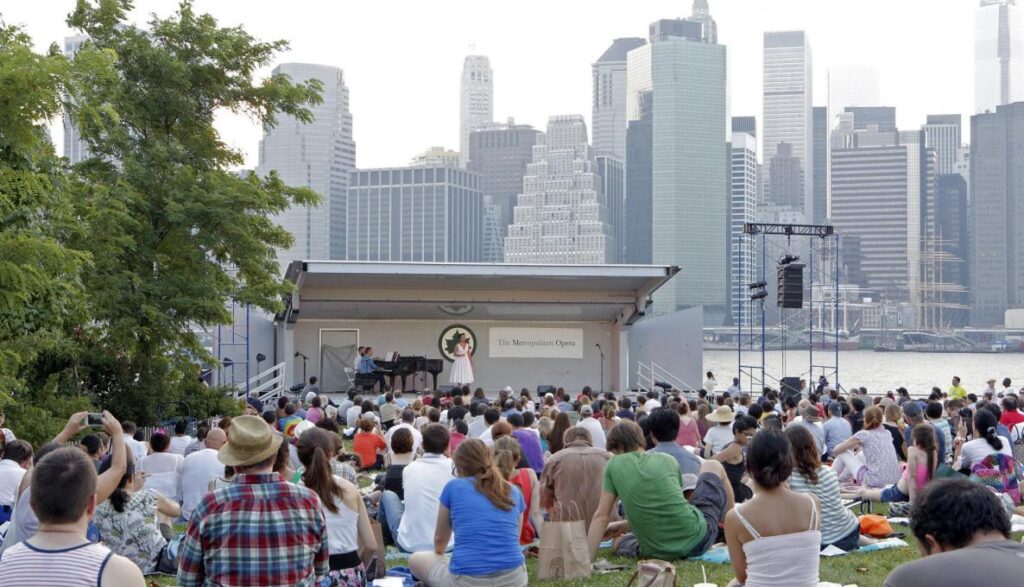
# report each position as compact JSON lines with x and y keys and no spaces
{"x":721,"y":414}
{"x":250,"y":442}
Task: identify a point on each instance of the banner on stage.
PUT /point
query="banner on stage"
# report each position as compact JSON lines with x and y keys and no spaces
{"x":536,"y":343}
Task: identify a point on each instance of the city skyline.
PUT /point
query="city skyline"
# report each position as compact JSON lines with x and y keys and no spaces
{"x":379,"y":105}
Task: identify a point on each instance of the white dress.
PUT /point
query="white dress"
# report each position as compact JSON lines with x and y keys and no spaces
{"x":462,"y":369}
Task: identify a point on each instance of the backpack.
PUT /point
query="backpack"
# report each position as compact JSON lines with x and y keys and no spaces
{"x":1017,"y":441}
{"x":999,"y":472}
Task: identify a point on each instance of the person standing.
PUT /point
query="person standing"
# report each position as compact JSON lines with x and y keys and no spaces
{"x":709,"y":384}
{"x":276,"y":527}
{"x":956,"y":391}
{"x":462,"y":365}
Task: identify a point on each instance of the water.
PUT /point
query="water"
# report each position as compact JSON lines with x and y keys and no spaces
{"x":881,"y":372}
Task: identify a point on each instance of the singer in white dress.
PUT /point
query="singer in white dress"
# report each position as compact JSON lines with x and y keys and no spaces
{"x":462,"y":366}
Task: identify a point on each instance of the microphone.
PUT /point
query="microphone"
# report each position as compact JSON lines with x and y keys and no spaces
{"x":597,"y":345}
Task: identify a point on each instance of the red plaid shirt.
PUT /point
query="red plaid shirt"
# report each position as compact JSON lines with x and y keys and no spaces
{"x":258,"y":531}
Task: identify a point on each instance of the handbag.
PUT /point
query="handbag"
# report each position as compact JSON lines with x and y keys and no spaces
{"x":654,"y":573}
{"x":564,"y":553}
{"x":373,"y":561}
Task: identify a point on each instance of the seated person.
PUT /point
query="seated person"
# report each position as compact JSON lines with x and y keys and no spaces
{"x":368,"y":444}
{"x":485,"y":513}
{"x":922,"y":458}
{"x":963,"y":532}
{"x":839,"y":525}
{"x":662,"y":522}
{"x":366,"y":366}
{"x":507,"y":455}
{"x":411,"y":521}
{"x":773,"y":538}
{"x":135,"y":522}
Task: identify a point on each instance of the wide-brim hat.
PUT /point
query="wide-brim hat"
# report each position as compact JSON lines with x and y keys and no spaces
{"x":250,"y":441}
{"x":721,"y":414}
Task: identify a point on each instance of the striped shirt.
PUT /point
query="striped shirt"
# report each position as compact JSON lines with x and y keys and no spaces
{"x":836,"y":521}
{"x":260,"y":530}
{"x":25,"y":565}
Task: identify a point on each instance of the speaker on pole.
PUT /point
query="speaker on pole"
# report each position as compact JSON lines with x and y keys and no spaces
{"x":791,"y":285}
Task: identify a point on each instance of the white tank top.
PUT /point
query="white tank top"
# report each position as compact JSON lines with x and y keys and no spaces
{"x":79,"y":566}
{"x":342,"y":527}
{"x":786,"y":559}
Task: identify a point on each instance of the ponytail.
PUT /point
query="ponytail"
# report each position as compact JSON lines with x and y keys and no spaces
{"x":314,"y":445}
{"x":985,"y":423}
{"x":474,"y":459}
{"x":507,"y":455}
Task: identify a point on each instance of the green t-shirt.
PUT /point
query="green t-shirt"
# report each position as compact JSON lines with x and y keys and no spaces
{"x":650,"y":487}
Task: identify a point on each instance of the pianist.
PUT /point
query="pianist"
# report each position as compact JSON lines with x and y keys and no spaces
{"x":366,"y":366}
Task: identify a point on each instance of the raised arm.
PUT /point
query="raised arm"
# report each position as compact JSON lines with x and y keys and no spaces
{"x":107,"y":483}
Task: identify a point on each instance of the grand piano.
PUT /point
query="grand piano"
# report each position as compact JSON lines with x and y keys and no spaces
{"x":405,"y":367}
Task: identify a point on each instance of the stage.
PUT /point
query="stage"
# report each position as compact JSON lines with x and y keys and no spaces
{"x":528,"y":325}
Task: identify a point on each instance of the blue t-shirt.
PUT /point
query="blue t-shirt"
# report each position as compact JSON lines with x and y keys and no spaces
{"x":486,"y":538}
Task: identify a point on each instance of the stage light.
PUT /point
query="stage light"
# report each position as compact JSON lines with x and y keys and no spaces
{"x":759,"y":295}
{"x":789,"y":259}
{"x":758,"y":285}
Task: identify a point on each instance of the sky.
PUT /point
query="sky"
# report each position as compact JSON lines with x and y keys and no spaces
{"x":402,"y":58}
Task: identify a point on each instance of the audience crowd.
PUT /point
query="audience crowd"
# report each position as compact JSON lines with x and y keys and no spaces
{"x":462,"y":484}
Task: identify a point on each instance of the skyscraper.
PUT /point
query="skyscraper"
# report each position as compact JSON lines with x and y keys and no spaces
{"x":743,"y":209}
{"x":476,"y":104}
{"x":998,"y":55}
{"x":951,"y":221}
{"x":425,"y":214}
{"x":997,"y":213}
{"x":679,"y":80}
{"x":612,"y":174}
{"x":865,"y":117}
{"x":319,"y":155}
{"x":882,"y":191}
{"x":639,"y":189}
{"x":75,"y":149}
{"x":788,"y":116}
{"x":609,"y":114}
{"x":942,"y":133}
{"x":499,"y":154}
{"x":561,"y":216}
{"x":821,"y":157}
{"x":786,"y":175}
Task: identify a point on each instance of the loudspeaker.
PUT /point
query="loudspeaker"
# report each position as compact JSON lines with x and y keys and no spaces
{"x":544,"y":389}
{"x":790,"y":386}
{"x":791,"y":286}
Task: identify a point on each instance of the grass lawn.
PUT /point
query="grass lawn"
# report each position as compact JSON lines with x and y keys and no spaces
{"x":865,"y":570}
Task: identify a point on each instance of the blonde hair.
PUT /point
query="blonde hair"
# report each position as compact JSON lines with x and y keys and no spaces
{"x":507,"y":455}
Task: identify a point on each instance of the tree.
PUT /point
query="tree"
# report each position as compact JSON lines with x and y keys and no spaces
{"x":173,"y":233}
{"x":41,"y":296}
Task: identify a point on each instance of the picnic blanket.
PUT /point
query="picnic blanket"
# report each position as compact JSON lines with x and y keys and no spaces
{"x":720,"y":554}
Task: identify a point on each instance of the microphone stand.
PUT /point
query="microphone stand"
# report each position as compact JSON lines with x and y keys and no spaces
{"x":600,"y":350}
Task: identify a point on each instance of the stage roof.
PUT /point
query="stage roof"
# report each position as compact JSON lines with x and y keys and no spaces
{"x":426,"y":291}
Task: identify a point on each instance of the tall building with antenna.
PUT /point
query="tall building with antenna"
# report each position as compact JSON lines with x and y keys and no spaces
{"x":476,"y":102}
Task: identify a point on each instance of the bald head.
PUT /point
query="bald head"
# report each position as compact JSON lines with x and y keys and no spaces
{"x":215,"y":438}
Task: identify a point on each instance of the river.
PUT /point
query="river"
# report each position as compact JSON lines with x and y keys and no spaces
{"x":881,"y":372}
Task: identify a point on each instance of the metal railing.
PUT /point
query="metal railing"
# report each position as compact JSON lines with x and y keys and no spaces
{"x":268,"y":385}
{"x":650,"y":374}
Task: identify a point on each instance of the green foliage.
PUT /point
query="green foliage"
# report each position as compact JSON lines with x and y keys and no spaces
{"x":109,"y":269}
{"x":174,"y":233}
{"x":40,"y":288}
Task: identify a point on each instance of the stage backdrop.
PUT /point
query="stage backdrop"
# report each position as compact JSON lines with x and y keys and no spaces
{"x":536,"y":343}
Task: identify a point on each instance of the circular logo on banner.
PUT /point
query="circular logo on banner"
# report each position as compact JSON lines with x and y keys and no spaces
{"x":450,"y":337}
